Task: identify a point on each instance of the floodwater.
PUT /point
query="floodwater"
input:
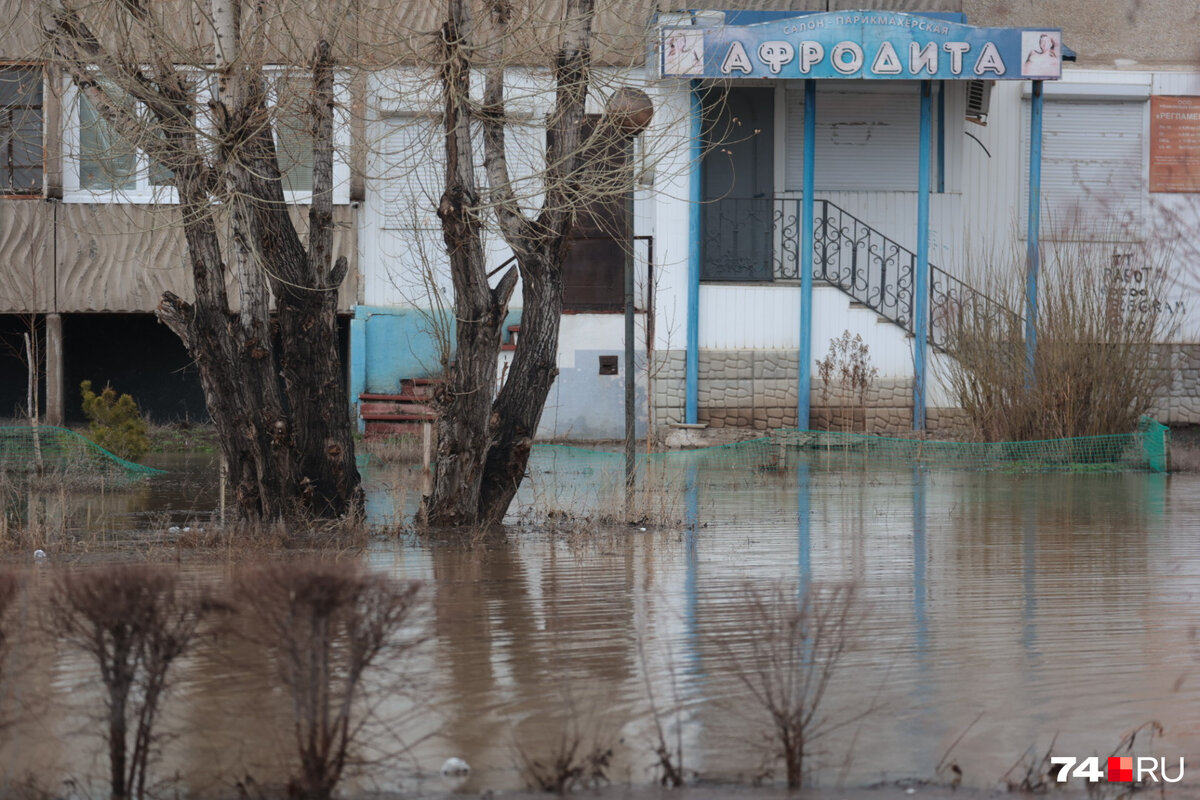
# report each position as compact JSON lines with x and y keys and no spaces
{"x":997,"y":614}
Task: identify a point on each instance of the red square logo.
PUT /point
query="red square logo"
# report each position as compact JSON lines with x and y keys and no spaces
{"x":1120,"y":770}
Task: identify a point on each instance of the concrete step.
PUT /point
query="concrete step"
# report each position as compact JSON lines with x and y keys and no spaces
{"x":380,"y":409}
{"x":378,"y":429}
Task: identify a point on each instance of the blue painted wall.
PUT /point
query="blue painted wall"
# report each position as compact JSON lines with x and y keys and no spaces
{"x":388,"y":344}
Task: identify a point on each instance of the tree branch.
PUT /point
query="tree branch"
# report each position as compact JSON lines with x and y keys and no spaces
{"x":513,"y":224}
{"x":572,"y":70}
{"x":320,"y":212}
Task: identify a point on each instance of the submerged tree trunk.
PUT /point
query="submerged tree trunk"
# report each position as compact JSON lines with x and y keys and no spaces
{"x":518,"y":407}
{"x":272,"y":378}
{"x":484,"y":443}
{"x":466,"y":398}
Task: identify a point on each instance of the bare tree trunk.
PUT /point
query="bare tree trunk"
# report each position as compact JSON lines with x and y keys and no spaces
{"x":466,"y":398}
{"x":307,"y":311}
{"x":288,"y":445}
{"x":540,"y":246}
{"x":518,"y":408}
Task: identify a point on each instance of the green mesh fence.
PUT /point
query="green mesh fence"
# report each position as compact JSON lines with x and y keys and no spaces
{"x":1145,"y":450}
{"x":47,"y":450}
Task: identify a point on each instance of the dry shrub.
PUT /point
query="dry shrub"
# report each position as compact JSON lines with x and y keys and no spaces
{"x":1098,"y":364}
{"x":326,"y":627}
{"x":249,"y":539}
{"x":134,"y":622}
{"x":579,"y":757}
{"x":790,"y":653}
{"x":1032,"y":772}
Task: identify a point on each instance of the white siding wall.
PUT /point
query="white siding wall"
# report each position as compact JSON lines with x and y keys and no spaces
{"x":400,"y":235}
{"x":995,"y":183}
{"x":768,"y":317}
{"x":1094,"y":165}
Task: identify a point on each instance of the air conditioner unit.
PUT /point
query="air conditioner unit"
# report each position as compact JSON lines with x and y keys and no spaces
{"x":979,"y":98}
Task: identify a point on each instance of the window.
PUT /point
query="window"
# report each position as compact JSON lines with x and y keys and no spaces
{"x":108,"y":161}
{"x":866,"y":141}
{"x":21,"y":130}
{"x":1093,"y":156}
{"x":293,"y":134}
{"x":593,"y":271}
{"x":406,"y":177}
{"x":102,"y":165}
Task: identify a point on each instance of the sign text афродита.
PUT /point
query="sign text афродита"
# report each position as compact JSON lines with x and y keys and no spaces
{"x":864,"y":45}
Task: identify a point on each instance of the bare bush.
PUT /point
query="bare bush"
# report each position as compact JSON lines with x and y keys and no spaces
{"x":849,"y":361}
{"x":1098,"y":363}
{"x":577,"y":759}
{"x":326,"y":627}
{"x":792,"y":651}
{"x":134,"y":622}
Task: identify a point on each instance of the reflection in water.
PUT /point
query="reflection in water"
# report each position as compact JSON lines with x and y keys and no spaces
{"x":1050,"y":605}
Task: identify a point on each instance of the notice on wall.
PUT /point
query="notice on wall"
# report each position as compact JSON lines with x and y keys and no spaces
{"x":1174,"y":144}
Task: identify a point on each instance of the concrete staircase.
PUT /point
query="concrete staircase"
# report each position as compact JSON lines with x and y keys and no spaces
{"x":403,"y":413}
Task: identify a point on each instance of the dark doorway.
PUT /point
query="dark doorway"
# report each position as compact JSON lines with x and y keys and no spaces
{"x":140,"y":357}
{"x":594,"y":268}
{"x":14,"y":374}
{"x":738,"y":184}
{"x":136,"y":356}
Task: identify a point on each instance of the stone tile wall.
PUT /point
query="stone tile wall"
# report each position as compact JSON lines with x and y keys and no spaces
{"x":757,"y":389}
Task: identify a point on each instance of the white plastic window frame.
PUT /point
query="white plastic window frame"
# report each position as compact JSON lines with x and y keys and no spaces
{"x":144,"y":192}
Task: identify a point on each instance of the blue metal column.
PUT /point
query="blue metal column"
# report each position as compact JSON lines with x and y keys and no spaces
{"x":1033,"y":250}
{"x":920,"y":584}
{"x":804,"y":526}
{"x":921,"y":279}
{"x":692,"y":354}
{"x":804,"y":387}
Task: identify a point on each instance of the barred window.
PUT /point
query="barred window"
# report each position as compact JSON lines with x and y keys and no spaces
{"x":20,"y":130}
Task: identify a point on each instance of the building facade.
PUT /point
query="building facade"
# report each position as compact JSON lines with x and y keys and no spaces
{"x":714,"y":227}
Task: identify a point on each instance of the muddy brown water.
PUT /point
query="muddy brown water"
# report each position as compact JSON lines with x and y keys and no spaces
{"x":1001,"y":613}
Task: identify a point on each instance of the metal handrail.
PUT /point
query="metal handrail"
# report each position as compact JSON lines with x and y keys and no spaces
{"x":877,"y":271}
{"x":758,"y":239}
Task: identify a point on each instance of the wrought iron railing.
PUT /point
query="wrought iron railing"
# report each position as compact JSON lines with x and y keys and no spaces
{"x":759,"y":239}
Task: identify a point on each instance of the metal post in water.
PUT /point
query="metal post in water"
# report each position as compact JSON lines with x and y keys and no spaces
{"x":1032,"y":248}
{"x":629,"y":112}
{"x":630,"y":333}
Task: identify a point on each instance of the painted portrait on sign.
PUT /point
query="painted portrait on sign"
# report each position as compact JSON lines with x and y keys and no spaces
{"x":1041,"y":54}
{"x":683,"y":52}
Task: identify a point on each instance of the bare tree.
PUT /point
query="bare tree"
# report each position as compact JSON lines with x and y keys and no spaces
{"x":194,"y":88}
{"x":484,"y":443}
{"x":134,"y":622}
{"x":328,"y":628}
{"x":793,"y":651}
